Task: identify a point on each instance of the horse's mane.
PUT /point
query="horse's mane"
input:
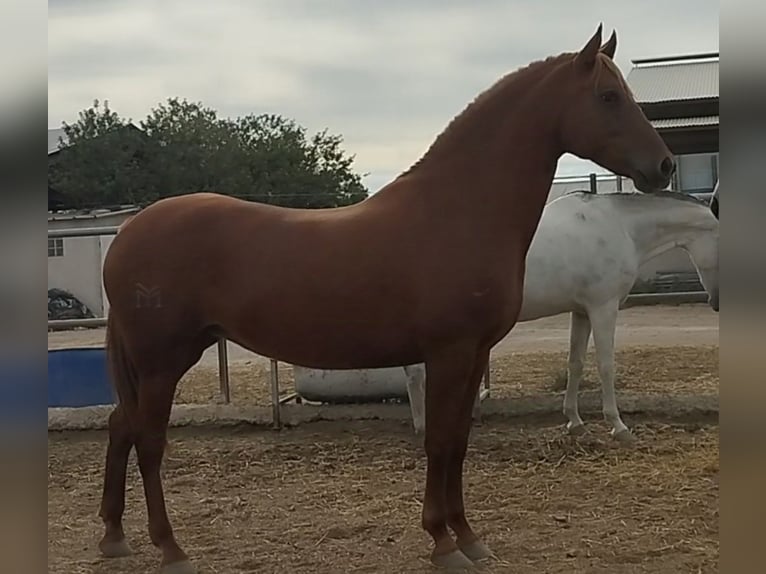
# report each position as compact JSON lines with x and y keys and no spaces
{"x":669,"y":194}
{"x":480,"y":100}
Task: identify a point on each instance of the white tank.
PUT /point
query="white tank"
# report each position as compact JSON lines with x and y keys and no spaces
{"x":351,"y":385}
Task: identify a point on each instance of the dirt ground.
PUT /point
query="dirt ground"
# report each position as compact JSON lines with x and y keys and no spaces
{"x":346,"y":497}
{"x":336,"y":497}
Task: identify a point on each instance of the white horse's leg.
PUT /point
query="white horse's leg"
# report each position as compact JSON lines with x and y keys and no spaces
{"x":579,"y":334}
{"x":604,"y":322}
{"x":416,"y":379}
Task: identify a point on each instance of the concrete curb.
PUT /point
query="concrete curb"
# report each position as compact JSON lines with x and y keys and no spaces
{"x":543,"y":406}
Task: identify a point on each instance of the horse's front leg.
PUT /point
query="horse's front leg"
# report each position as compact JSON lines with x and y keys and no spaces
{"x":579,"y":333}
{"x":449,"y":392}
{"x":604,"y":322}
{"x":468,"y":542}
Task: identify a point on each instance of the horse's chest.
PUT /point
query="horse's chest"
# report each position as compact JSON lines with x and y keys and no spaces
{"x":492,"y":304}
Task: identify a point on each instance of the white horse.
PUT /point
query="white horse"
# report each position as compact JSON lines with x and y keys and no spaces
{"x":584,"y":260}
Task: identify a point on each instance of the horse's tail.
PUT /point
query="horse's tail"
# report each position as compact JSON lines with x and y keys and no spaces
{"x":121,"y":369}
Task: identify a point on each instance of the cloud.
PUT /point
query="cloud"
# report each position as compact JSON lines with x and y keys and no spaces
{"x":388,"y":76}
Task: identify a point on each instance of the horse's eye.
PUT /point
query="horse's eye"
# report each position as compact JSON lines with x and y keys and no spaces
{"x":610,"y":97}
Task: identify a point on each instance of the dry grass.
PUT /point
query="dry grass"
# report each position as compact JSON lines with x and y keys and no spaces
{"x":335,"y":497}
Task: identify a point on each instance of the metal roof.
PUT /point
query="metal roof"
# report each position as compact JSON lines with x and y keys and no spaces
{"x":699,"y":121}
{"x":674,"y":81}
{"x":53,"y":139}
{"x":92,"y":214}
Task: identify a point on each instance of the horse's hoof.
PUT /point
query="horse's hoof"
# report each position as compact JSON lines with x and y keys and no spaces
{"x":114,"y":549}
{"x":575,"y":430}
{"x":452,"y":561}
{"x":624,"y":437}
{"x":181,"y":567}
{"x":477,"y":551}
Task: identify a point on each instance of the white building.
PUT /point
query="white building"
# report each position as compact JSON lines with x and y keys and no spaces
{"x":74,"y":263}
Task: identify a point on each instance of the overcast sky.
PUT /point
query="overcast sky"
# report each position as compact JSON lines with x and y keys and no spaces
{"x":388,"y":75}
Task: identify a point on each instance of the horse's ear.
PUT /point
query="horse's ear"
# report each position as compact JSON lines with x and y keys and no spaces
{"x":586,"y":58}
{"x":610,"y":47}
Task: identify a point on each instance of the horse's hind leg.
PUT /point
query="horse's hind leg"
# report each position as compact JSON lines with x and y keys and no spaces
{"x":155,"y":402}
{"x":113,"y":544}
{"x":579,"y":333}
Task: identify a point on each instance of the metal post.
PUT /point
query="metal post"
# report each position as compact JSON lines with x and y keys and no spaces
{"x":223,"y":370}
{"x":275,"y":405}
{"x":593,"y":183}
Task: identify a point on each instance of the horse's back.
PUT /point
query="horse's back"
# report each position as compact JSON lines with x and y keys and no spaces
{"x":249,"y":269}
{"x":175,"y":247}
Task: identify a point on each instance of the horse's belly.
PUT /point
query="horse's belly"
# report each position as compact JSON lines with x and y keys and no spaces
{"x":546,"y":295}
{"x":329,"y":343}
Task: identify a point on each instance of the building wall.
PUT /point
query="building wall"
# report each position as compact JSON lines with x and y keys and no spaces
{"x":79,"y":269}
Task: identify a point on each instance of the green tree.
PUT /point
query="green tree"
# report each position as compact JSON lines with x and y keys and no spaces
{"x":190,"y":149}
{"x":184,"y":147}
{"x":288,"y":169}
{"x":101,"y":160}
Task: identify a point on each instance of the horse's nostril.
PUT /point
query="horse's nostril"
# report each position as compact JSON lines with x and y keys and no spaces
{"x":667,"y":167}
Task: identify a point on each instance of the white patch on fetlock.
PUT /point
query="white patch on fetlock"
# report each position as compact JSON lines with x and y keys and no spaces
{"x":477,"y":551}
{"x":118,"y":549}
{"x":575,"y":429}
{"x":624,"y":436}
{"x":454,"y":561}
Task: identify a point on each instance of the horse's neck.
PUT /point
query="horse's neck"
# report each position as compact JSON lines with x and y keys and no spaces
{"x":499,"y":155}
{"x":658,"y":228}
{"x":503,"y":132}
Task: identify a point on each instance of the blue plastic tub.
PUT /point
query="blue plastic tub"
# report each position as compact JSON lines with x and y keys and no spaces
{"x":78,"y":378}
{"x":22,"y":387}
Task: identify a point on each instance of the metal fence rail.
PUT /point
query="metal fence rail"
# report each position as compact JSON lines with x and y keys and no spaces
{"x":673,"y":298}
{"x":83,"y":232}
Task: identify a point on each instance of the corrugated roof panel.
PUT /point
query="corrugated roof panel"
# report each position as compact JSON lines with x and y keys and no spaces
{"x":671,"y":82}
{"x":53,"y":138}
{"x":669,"y":123}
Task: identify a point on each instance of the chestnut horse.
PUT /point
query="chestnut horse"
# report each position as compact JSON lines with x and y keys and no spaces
{"x":429,"y":269}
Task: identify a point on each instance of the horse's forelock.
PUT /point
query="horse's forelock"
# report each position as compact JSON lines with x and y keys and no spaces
{"x":608,"y":64}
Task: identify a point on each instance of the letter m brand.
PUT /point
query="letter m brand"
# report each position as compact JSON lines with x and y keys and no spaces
{"x":147,"y":297}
